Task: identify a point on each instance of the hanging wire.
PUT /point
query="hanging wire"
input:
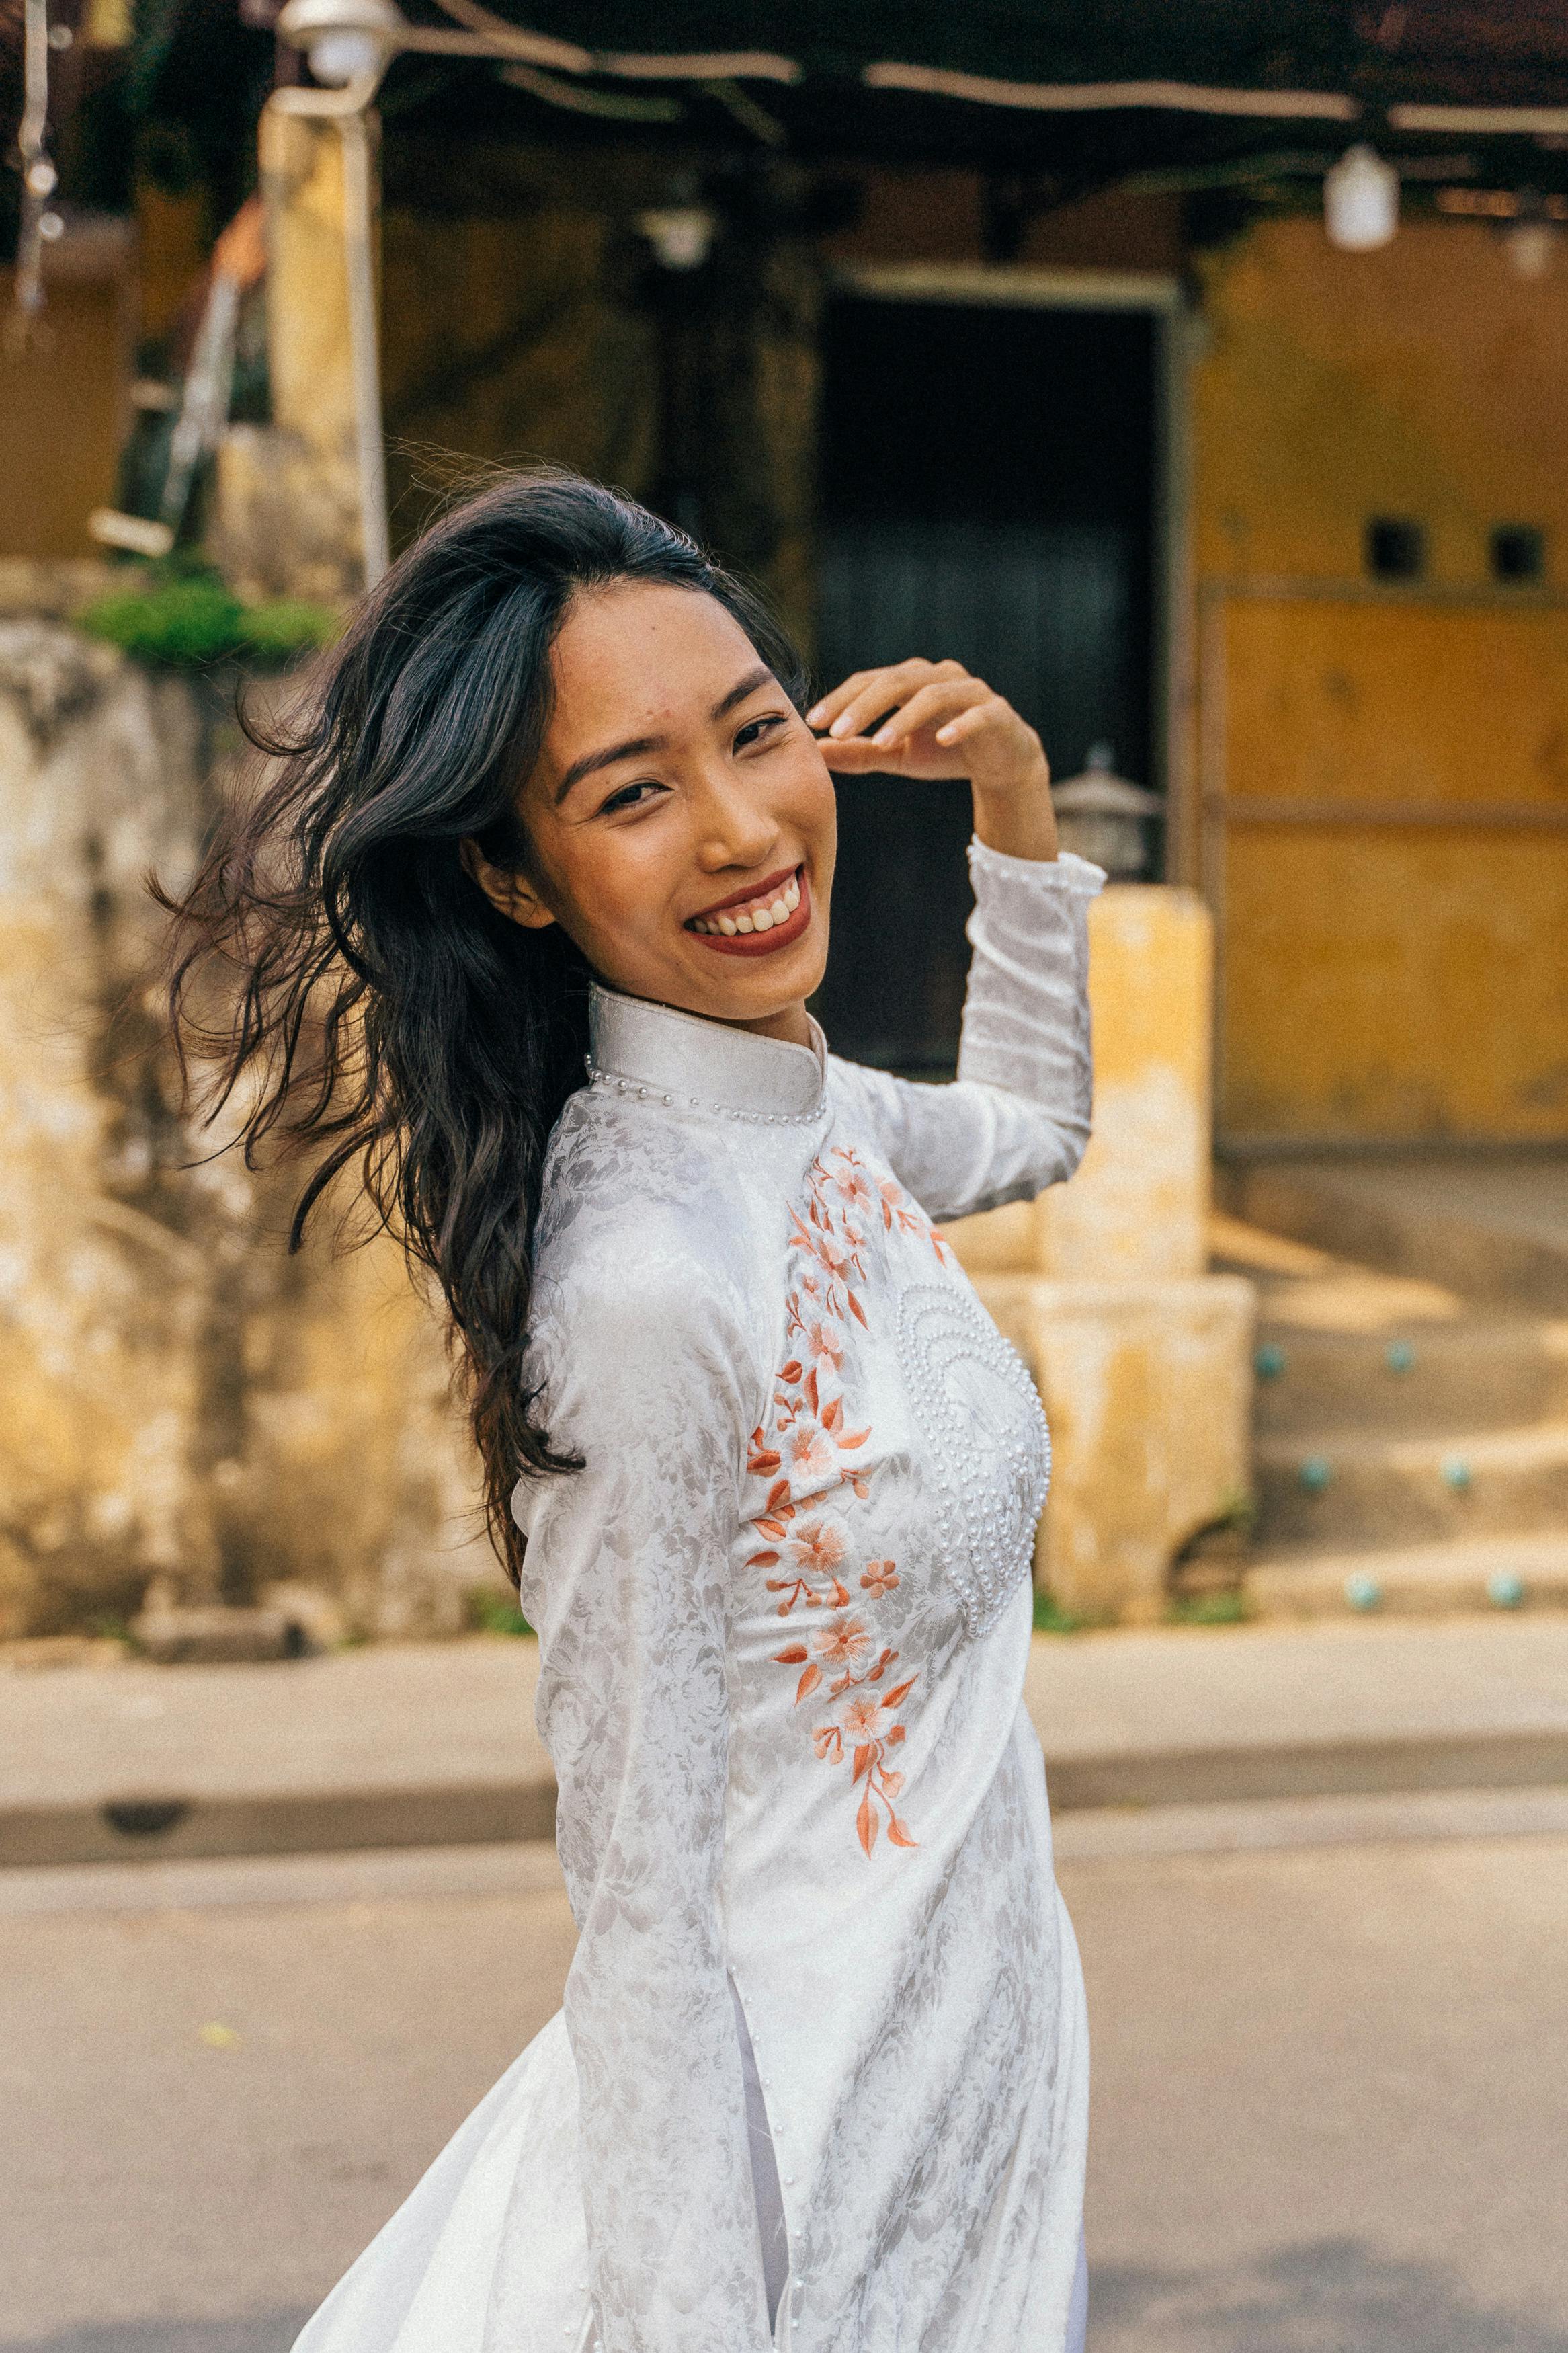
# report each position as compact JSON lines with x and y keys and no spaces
{"x":41,"y":223}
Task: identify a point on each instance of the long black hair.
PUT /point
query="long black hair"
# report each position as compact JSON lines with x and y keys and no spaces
{"x":383,"y":1016}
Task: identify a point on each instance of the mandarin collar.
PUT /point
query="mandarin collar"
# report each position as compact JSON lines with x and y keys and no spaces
{"x":705,"y":1065}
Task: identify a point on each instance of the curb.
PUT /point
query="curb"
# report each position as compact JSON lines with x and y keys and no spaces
{"x":151,"y":1827}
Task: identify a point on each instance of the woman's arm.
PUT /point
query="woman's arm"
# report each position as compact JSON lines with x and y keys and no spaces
{"x":1016,"y":1120}
{"x":626,"y":1577}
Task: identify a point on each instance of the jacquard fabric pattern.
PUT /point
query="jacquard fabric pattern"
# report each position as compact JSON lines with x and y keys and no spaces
{"x":784,"y":1616}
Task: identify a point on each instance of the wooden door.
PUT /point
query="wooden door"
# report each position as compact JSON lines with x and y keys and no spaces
{"x":1385,"y":823}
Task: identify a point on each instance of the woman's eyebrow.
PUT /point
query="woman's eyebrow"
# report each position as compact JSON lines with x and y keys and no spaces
{"x":591,"y":761}
{"x":761,"y":676}
{"x":634,"y":748}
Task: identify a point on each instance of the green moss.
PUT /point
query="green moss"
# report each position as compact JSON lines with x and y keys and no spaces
{"x":186,"y":619}
{"x":495,"y":1613}
{"x":1228,"y":1607}
{"x":1051,"y":1617}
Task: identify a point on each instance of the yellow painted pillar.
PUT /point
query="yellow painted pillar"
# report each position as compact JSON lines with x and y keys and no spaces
{"x":1143,"y":1359}
{"x":292,"y":496}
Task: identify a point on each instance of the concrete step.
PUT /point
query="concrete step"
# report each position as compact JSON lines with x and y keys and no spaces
{"x":1494,"y":1229}
{"x":1518,"y":1574}
{"x":1421,"y":1378}
{"x":1349,"y":1489}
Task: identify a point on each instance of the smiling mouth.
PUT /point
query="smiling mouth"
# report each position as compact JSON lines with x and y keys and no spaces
{"x":769,"y":919}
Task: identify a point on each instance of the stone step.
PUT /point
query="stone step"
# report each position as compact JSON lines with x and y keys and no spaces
{"x":1494,"y":1229}
{"x":1356,"y":1489}
{"x":1464,"y":1574}
{"x":1421,"y":1378}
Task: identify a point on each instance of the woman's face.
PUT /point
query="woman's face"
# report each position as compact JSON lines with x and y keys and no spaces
{"x":680,"y":817}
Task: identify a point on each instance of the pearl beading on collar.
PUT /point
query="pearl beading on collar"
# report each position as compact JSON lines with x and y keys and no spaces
{"x":612,"y":1085}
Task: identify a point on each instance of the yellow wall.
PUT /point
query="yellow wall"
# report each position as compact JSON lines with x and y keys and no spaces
{"x":61,"y":413}
{"x":1381,"y":979}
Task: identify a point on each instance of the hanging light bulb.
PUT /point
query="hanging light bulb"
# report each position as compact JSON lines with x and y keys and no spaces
{"x":1361,"y":201}
{"x":345,"y":40}
{"x":1530,"y":245}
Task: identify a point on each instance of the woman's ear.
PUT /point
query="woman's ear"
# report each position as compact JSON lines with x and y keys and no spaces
{"x":509,"y":892}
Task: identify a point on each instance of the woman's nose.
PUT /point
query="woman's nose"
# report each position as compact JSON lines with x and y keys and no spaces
{"x":732,"y":827}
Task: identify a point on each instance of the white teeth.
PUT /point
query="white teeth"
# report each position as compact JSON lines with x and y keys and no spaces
{"x":763,"y":916}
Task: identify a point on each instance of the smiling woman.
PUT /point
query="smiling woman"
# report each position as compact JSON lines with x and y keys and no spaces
{"x":524,"y":922}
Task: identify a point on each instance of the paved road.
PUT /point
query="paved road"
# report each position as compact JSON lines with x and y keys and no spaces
{"x":1329,"y":2104}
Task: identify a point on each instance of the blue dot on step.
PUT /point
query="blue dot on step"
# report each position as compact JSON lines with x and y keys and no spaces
{"x":1399,"y":1356}
{"x":1505,"y":1591}
{"x":1362,"y":1590}
{"x":1268,"y":1362}
{"x":1315,"y":1473}
{"x":1456,"y":1474}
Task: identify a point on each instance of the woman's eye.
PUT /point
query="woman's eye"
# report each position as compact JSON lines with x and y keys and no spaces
{"x":755,"y":730}
{"x":629,"y":797}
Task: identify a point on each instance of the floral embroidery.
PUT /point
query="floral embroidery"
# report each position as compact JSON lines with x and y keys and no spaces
{"x":807,"y":1440}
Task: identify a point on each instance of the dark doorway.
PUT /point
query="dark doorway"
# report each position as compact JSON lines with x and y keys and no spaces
{"x":987,"y":493}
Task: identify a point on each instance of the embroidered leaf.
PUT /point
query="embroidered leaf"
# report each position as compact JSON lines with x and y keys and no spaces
{"x":853,"y":1438}
{"x":792,"y":1371}
{"x":892,"y":1698}
{"x":891,"y":1784}
{"x":898,"y":1835}
{"x":866,"y":1825}
{"x":832,"y":1413}
{"x":895,"y":1733}
{"x":763,"y":1560}
{"x":807,"y":1682}
{"x":858,"y":1312}
{"x":862,"y":1758}
{"x":770,"y":1527}
{"x":765,"y":1464}
{"x":793,"y":1656}
{"x":777,"y":1494}
{"x":811,"y":1390}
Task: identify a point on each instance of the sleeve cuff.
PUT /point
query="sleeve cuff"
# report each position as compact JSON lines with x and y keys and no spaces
{"x":1066,"y":872}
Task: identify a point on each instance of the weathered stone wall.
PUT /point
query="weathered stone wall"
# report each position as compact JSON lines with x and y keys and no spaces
{"x":178,"y":1399}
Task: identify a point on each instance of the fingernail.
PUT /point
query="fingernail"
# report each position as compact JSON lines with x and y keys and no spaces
{"x":813,"y":715}
{"x":885,"y":735}
{"x":944,"y":734}
{"x":840,"y":726}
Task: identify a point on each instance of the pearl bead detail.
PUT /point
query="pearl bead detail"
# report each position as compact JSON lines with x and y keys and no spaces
{"x":609,"y":1083}
{"x":988,"y":1449}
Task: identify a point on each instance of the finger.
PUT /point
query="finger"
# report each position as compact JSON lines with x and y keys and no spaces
{"x":821,"y":712}
{"x":857,"y":757}
{"x":944,"y":699}
{"x":980,"y":715}
{"x":885,"y":690}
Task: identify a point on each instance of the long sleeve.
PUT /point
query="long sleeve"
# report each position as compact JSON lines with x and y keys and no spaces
{"x":1016,"y":1118}
{"x":646,"y":1377}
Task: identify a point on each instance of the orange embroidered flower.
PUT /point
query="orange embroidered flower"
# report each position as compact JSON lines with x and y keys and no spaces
{"x":825,"y":1342}
{"x":816,"y":1548}
{"x":860,"y":1715}
{"x":840,"y":1645}
{"x":809,"y":1440}
{"x":808,"y":1450}
{"x":855,"y":1190}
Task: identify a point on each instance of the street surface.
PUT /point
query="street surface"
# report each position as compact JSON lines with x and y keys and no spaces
{"x":1331,"y":2090}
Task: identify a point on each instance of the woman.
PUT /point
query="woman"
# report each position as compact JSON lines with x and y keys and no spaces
{"x":545,"y":874}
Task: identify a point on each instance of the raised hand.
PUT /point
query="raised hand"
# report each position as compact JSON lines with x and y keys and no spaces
{"x":930,"y":720}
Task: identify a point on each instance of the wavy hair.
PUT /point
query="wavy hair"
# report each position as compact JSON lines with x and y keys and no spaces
{"x":351,"y":994}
